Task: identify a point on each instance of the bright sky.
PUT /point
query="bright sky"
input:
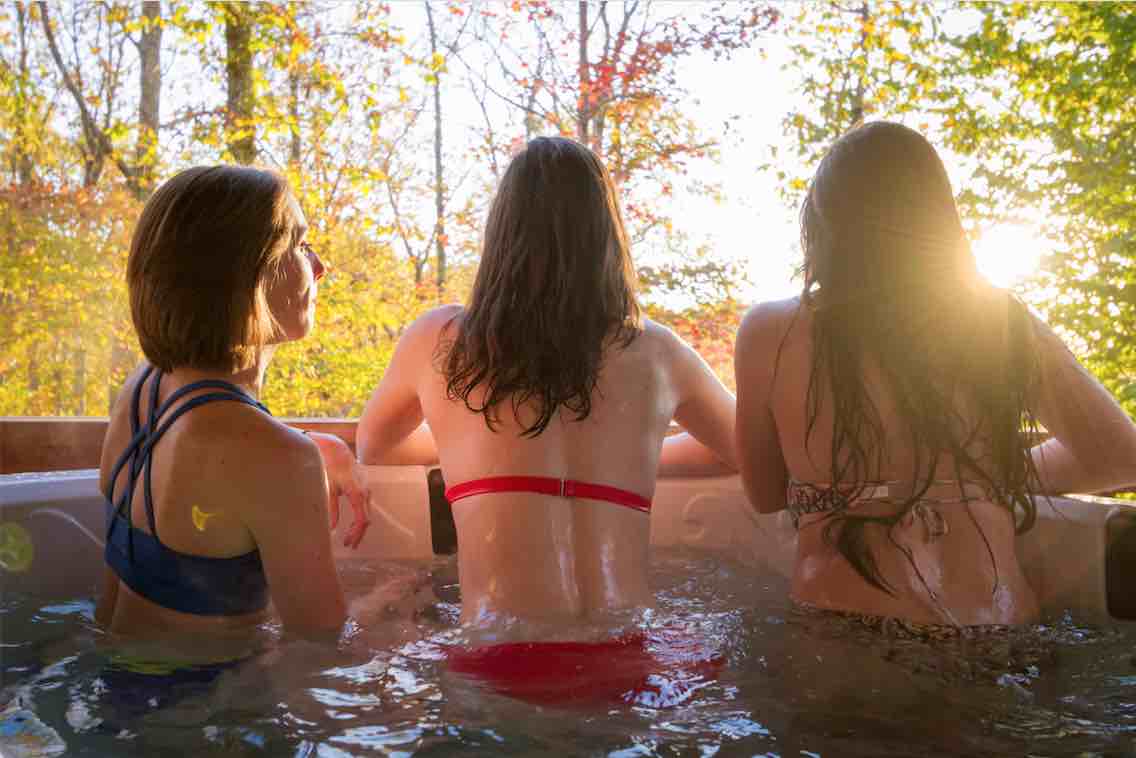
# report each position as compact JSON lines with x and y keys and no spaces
{"x":742,"y":102}
{"x":754,"y":225}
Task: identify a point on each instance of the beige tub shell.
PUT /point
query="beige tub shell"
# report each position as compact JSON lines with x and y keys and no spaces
{"x":1065,"y":556}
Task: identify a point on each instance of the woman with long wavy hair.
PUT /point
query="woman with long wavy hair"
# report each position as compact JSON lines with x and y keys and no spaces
{"x":548,"y":397}
{"x":893,"y":407}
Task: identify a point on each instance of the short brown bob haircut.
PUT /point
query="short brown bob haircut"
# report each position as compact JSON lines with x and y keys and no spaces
{"x":555,"y":289}
{"x":205,"y":248}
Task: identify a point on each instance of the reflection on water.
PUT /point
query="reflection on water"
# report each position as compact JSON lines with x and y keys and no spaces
{"x":791,"y":684}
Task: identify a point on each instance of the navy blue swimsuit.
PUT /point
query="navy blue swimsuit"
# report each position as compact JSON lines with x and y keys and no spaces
{"x":188,"y":583}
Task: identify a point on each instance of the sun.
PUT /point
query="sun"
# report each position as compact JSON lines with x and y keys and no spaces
{"x":1009,"y":253}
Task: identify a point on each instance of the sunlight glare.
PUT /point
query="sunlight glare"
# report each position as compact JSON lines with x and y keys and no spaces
{"x":1010,"y":253}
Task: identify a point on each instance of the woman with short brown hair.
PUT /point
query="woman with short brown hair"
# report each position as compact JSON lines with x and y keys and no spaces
{"x":213,"y":505}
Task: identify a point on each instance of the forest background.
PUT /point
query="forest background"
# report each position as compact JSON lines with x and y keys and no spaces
{"x":393,"y":121}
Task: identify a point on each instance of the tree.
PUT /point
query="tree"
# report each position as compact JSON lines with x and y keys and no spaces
{"x":437,"y":61}
{"x":1036,"y":98}
{"x":25,"y":106}
{"x":149,"y":47}
{"x":607,"y":75}
{"x":241,"y":96}
{"x":1058,"y":134}
{"x":98,"y":131}
{"x":854,"y":62}
{"x":393,"y":194}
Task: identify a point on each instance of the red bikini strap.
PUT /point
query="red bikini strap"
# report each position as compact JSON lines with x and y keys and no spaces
{"x":547,"y":485}
{"x":573,"y":488}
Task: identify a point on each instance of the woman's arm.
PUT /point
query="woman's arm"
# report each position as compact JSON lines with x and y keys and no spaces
{"x":415,"y":449}
{"x":339,"y":463}
{"x":761,"y":462}
{"x":390,"y":430}
{"x":705,"y":409}
{"x":683,"y":455}
{"x":1093,"y":448}
{"x":283,"y":503}
{"x":108,"y":599}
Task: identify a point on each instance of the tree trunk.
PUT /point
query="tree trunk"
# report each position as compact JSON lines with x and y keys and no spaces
{"x":439,"y":194}
{"x":294,"y":112}
{"x":150,"y":86}
{"x":584,"y":95}
{"x":79,"y":388}
{"x":238,"y":67}
{"x":856,"y":113}
{"x":24,"y":166}
{"x":33,"y":368}
{"x":58,"y":376}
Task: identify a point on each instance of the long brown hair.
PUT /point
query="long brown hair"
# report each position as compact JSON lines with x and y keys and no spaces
{"x":891,"y":279}
{"x":554,"y":289}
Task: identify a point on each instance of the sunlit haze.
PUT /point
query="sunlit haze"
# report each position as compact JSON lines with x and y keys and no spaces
{"x":1010,"y":253}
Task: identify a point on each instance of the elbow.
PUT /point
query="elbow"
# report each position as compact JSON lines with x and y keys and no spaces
{"x":763,"y":499}
{"x":767,"y":504}
{"x":363,"y":454}
{"x":365,"y":448}
{"x":319,"y":622}
{"x":1114,"y":471}
{"x":315,"y":632}
{"x":1123,"y":476}
{"x":728,"y":459}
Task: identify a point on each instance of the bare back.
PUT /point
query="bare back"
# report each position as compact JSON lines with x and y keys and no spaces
{"x":218,"y":492}
{"x":961,"y":571}
{"x":541,"y":558}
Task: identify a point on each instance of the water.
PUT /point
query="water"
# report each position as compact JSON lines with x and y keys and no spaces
{"x":791,"y":684}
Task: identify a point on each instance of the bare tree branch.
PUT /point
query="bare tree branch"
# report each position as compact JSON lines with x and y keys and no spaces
{"x":96,"y":138}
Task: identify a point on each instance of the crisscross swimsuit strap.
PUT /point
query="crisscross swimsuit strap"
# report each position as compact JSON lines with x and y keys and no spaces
{"x":195,"y":584}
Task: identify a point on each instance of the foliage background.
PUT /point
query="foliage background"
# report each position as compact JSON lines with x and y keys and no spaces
{"x":394,"y":121}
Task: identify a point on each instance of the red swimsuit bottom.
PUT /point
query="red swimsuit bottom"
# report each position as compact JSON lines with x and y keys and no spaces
{"x":657,"y":668}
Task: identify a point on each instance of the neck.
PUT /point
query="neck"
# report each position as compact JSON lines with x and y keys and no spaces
{"x":250,"y":379}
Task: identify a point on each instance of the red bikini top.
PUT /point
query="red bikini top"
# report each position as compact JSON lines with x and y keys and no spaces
{"x":547,"y":485}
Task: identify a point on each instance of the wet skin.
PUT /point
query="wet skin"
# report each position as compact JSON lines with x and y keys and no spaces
{"x":967,"y":575}
{"x":536,"y":559}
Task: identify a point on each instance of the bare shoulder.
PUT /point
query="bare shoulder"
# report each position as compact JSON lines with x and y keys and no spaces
{"x":423,"y":335}
{"x":658,"y":344}
{"x":661,"y":337}
{"x":433,"y":321}
{"x":769,"y":321}
{"x":253,"y":434}
{"x":121,"y":405}
{"x":254,"y":453}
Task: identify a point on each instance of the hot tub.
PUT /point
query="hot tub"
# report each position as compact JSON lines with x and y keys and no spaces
{"x":788,"y":686}
{"x":1080,"y":557}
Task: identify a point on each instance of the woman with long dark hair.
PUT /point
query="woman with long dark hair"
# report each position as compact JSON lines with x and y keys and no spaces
{"x":893,"y":407}
{"x":548,"y":397}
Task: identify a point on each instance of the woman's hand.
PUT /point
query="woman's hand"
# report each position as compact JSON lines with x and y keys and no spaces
{"x":339,"y":463}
